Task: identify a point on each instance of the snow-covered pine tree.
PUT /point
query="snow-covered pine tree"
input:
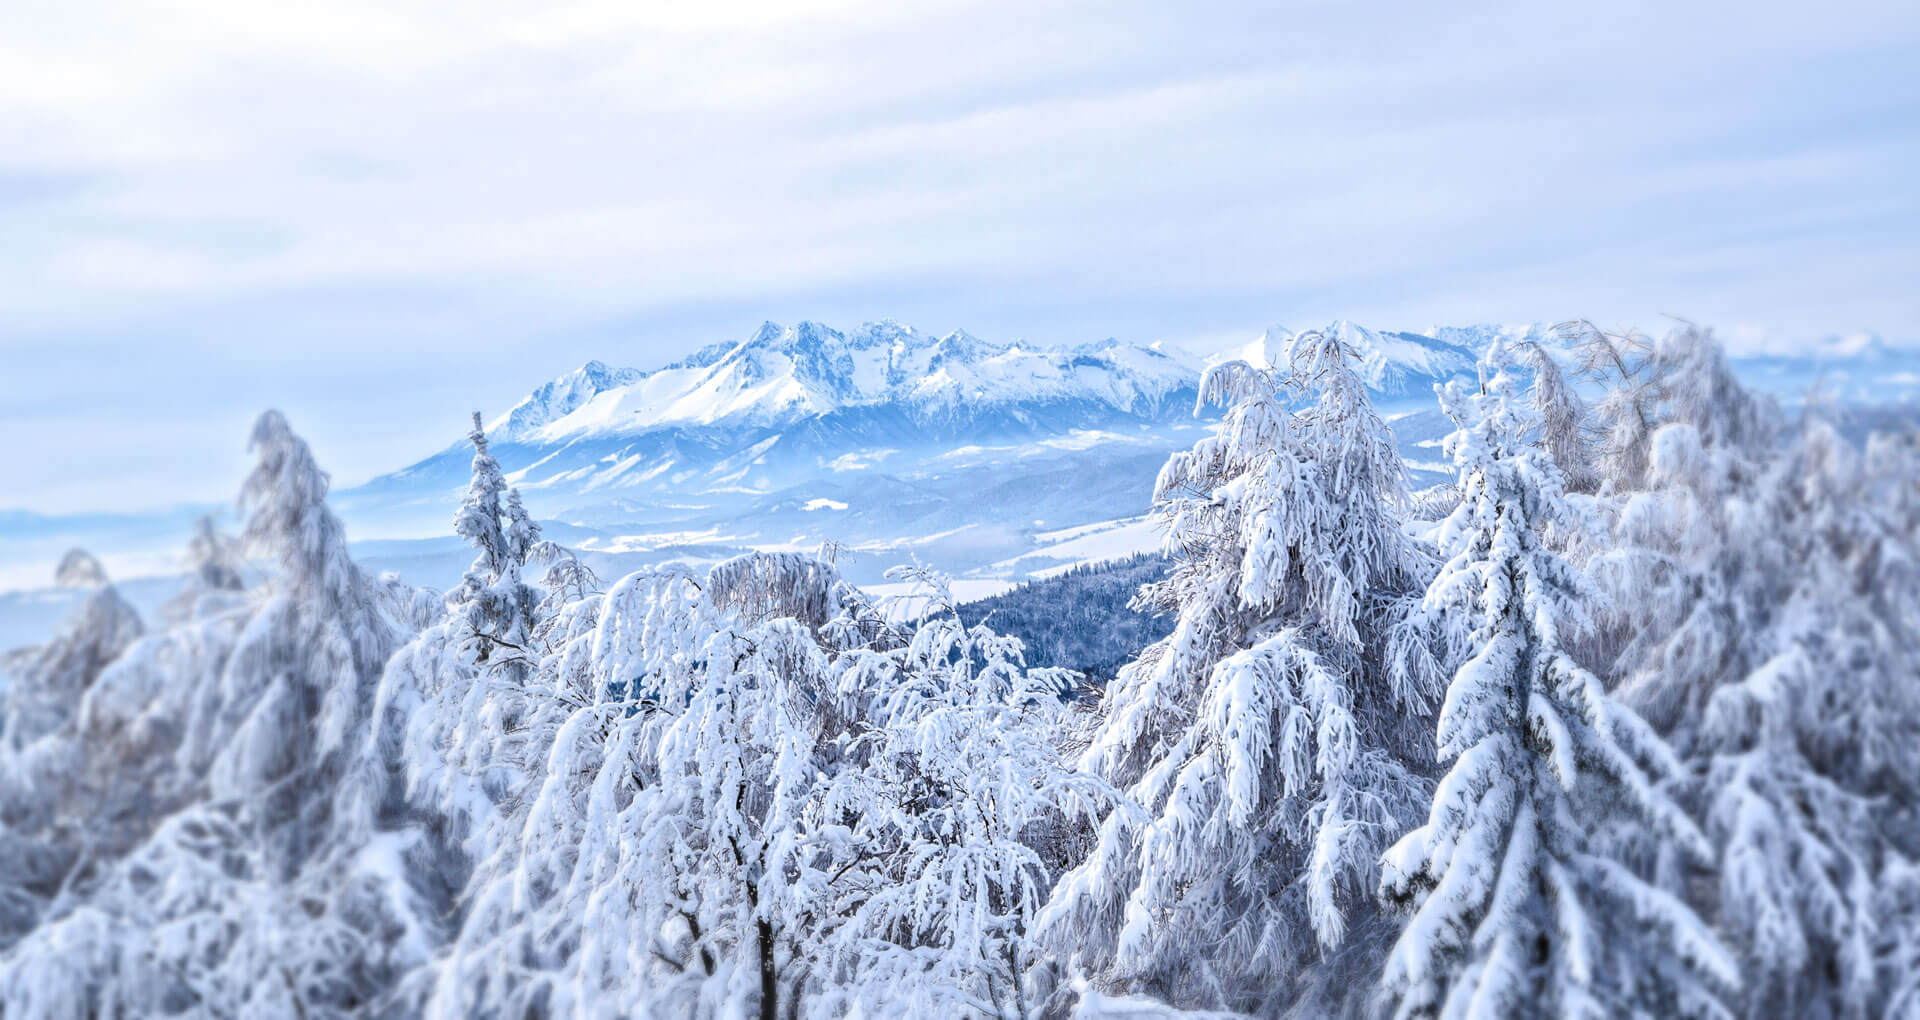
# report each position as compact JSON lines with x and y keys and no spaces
{"x":720,"y":851}
{"x":494,"y":606}
{"x":238,"y":887}
{"x":48,"y":685}
{"x":655,"y":869}
{"x":466,"y":716}
{"x":566,"y":579}
{"x":1682,"y":377}
{"x":80,"y":569}
{"x":116,"y":727}
{"x":453,"y":704}
{"x":608,"y":660}
{"x":955,"y":775}
{"x":1784,"y":675}
{"x":1275,"y":738}
{"x":1565,"y":429}
{"x":1514,"y":908}
{"x":49,"y":680}
{"x":1626,"y":411}
{"x":216,"y":574}
{"x":293,"y":699}
{"x":748,"y":774}
{"x":1762,"y":594}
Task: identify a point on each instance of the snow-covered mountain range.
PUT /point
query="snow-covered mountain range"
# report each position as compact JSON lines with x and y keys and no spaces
{"x":886,"y":438}
{"x":783,"y":375}
{"x":798,"y":402}
{"x":896,"y":442}
{"x":995,"y":461}
{"x":977,"y":455}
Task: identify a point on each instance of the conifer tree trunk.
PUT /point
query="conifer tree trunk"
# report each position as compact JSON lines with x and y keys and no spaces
{"x":769,"y":986}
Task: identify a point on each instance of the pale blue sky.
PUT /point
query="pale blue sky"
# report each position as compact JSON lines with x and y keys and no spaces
{"x":377,"y":215}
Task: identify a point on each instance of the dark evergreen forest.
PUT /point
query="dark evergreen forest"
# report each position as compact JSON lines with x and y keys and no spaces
{"x":1081,"y":619}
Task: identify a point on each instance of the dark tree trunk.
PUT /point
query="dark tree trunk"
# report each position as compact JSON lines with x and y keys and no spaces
{"x":769,"y":987}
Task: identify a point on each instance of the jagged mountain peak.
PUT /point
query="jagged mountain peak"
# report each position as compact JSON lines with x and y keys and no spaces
{"x":963,"y":347}
{"x":784,"y":374}
{"x":559,"y":397}
{"x":807,"y":334}
{"x":885,"y":333}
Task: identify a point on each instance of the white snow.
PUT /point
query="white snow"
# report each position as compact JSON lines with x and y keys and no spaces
{"x":859,"y":460}
{"x":1067,"y":548}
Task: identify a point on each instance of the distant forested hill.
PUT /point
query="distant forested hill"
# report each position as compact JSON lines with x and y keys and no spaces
{"x":1079,"y":619}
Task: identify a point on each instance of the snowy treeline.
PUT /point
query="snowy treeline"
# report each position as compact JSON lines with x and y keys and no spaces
{"x":1622,"y":722}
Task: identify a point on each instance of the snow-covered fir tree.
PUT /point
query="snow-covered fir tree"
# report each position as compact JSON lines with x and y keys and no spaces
{"x":46,"y":687}
{"x":453,"y":704}
{"x":958,"y":777}
{"x":760,"y":798}
{"x":608,"y":660}
{"x":48,"y":680}
{"x":216,"y":574}
{"x":492,"y":605}
{"x":1514,"y":907}
{"x":224,"y":880}
{"x":1565,"y":425}
{"x":1767,"y":585}
{"x":1681,"y":377}
{"x":1272,"y":744}
{"x":80,"y":569}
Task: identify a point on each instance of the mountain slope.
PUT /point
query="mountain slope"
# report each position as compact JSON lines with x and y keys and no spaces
{"x":561,"y":397}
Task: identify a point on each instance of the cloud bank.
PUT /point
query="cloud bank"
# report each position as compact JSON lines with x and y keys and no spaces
{"x":377,"y":215}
